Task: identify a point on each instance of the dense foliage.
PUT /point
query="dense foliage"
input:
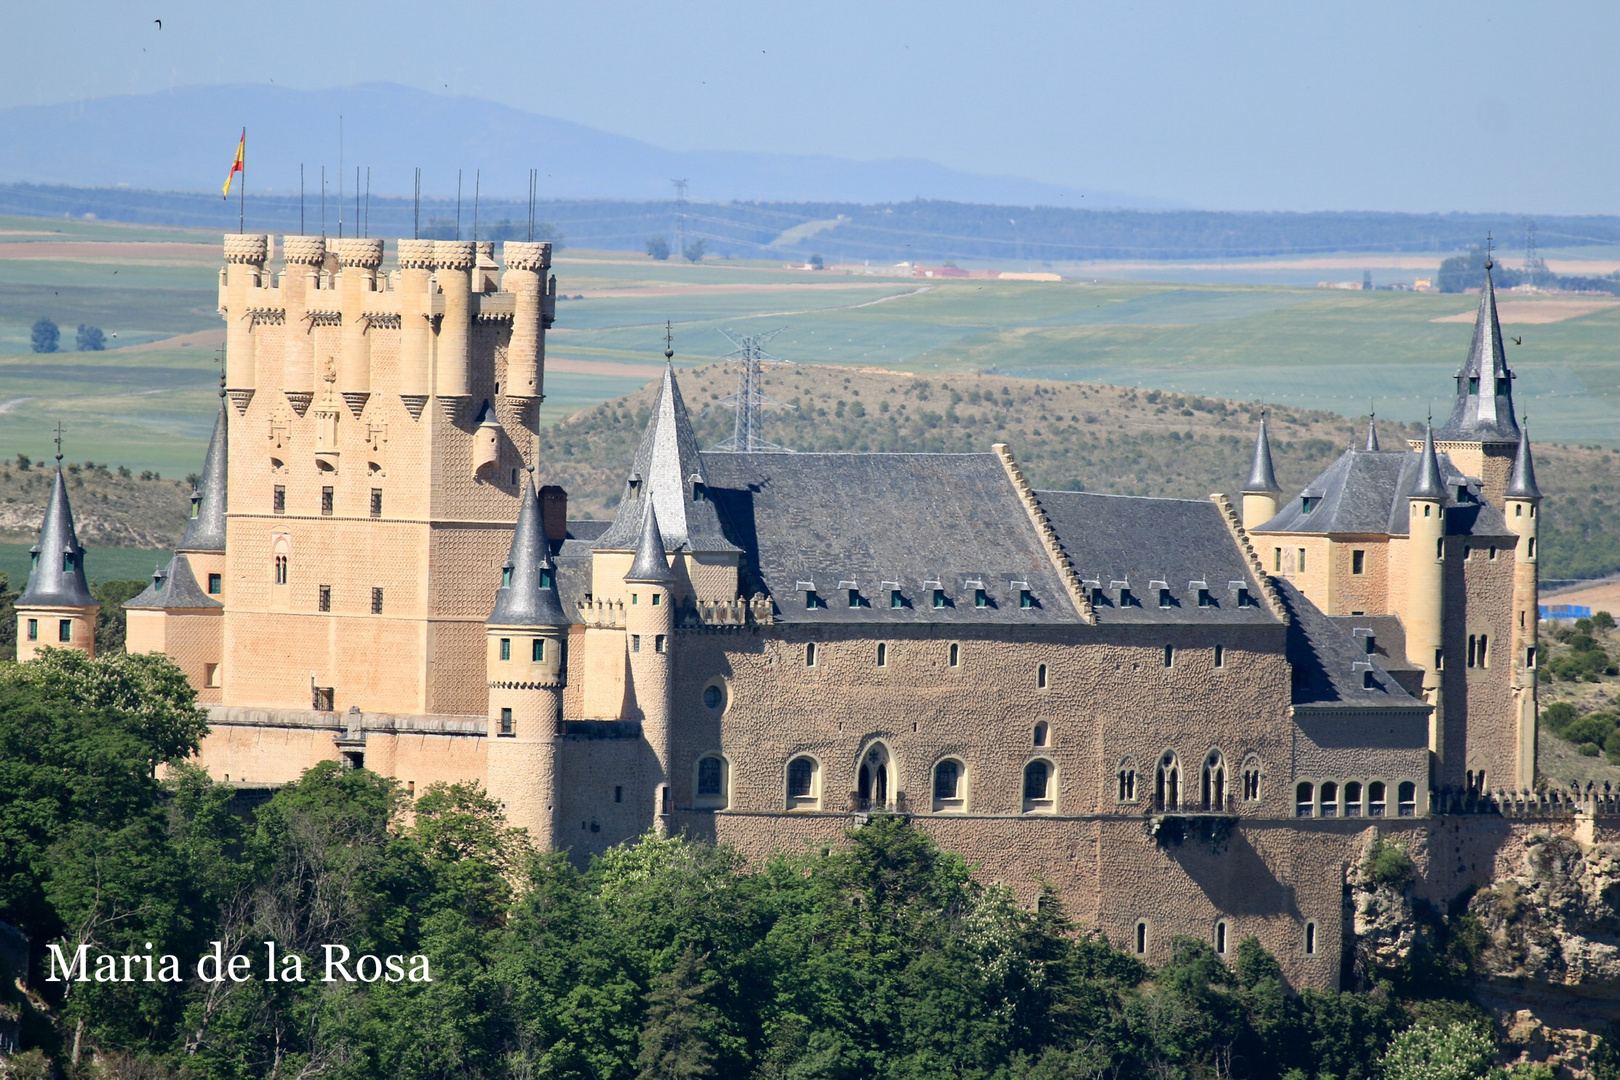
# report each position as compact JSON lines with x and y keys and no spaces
{"x":874,"y":957}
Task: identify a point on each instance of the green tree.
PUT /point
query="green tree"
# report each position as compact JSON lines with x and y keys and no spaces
{"x":1458,"y":1051}
{"x":8,"y":619}
{"x":676,"y":1043}
{"x":90,"y":338}
{"x":694,"y":251}
{"x":658,"y":247}
{"x":45,"y":337}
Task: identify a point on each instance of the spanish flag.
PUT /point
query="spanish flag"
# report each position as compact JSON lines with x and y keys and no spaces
{"x":237,"y":166}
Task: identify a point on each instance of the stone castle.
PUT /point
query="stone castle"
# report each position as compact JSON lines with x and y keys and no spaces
{"x":1183,"y":717}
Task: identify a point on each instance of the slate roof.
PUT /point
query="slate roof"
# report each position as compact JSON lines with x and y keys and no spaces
{"x":1483,"y":410}
{"x":56,"y":578}
{"x":669,"y":471}
{"x":1330,"y":665}
{"x":206,"y":529}
{"x":1366,"y":491}
{"x":1153,"y":544}
{"x":173,"y":586}
{"x":651,"y":563}
{"x":1389,"y":646}
{"x":1522,"y":484}
{"x":877,"y":522}
{"x":1262,"y":478}
{"x":528,"y":595}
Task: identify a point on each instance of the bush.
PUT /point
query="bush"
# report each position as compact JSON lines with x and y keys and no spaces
{"x":1589,"y":749}
{"x":658,"y":247}
{"x":1603,"y":620}
{"x":1558,"y":716}
{"x":90,"y":338}
{"x":1592,"y":728}
{"x":45,"y":336}
{"x":1388,"y":863}
{"x":694,"y":252}
{"x":1611,"y":746}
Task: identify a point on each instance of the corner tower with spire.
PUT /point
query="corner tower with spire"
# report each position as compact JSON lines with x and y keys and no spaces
{"x":55,"y":609}
{"x":526,"y":636}
{"x":1482,"y":433}
{"x":1260,"y":491}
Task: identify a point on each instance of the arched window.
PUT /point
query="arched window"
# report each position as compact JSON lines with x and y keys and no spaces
{"x":1127,"y":781}
{"x":1212,"y":787}
{"x":1310,"y":939}
{"x":1251,"y":779}
{"x":873,"y":790}
{"x":713,"y":782}
{"x":1375,"y":799}
{"x":1352,"y":799}
{"x":1304,"y":800}
{"x":1167,"y":783}
{"x":281,"y":569}
{"x":810,"y":654}
{"x":956,"y":654}
{"x":1040,"y":676}
{"x":1220,"y":937}
{"x":1406,"y":796}
{"x":1141,"y":939}
{"x":1330,"y":799}
{"x":883,"y":654}
{"x":1041,"y":732}
{"x":1040,"y":787}
{"x":950,"y":787}
{"x":803,"y":784}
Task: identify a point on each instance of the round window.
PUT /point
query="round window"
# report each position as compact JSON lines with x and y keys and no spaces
{"x":713,"y":696}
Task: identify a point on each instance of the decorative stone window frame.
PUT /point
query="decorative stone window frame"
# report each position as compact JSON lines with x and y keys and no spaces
{"x":721,"y":801}
{"x":1047,"y":804}
{"x":1252,"y":765}
{"x":891,"y":766}
{"x":1126,"y":781}
{"x":1214,"y":781}
{"x":958,"y":804}
{"x":812,"y":800}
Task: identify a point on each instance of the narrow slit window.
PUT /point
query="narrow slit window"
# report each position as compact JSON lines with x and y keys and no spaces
{"x":537,"y":650}
{"x":1220,"y":938}
{"x":882,"y":654}
{"x":326,"y":502}
{"x":1220,"y":656}
{"x":323,"y":598}
{"x":376,"y":502}
{"x":1302,"y":560}
{"x":810,"y":654}
{"x":1141,"y":939}
{"x":376,"y":601}
{"x":956,"y":655}
{"x":1310,"y":939}
{"x":1169,"y":656}
{"x":278,"y":500}
{"x":1040,"y":676}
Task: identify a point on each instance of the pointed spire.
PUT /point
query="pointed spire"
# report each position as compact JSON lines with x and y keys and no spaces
{"x":667,"y":472}
{"x":528,"y":592}
{"x":650,"y":564}
{"x":1483,"y":410}
{"x":1522,"y":484}
{"x":57,"y":576}
{"x":206,"y":529}
{"x":1431,"y":482}
{"x":1372,"y":431}
{"x":1262,"y":479}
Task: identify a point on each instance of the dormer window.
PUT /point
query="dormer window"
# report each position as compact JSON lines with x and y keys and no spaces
{"x":896,"y":600}
{"x":1473,"y":385}
{"x":813,"y":602}
{"x":1244,"y":599}
{"x":1165,"y":599}
{"x":506,"y":577}
{"x":546,"y":579}
{"x":1307,"y":503}
{"x":635,"y":484}
{"x":697,"y":491}
{"x":1204,"y":599}
{"x":939,"y":598}
{"x":856,"y":599}
{"x":1026,"y":599}
{"x":1125,"y":597}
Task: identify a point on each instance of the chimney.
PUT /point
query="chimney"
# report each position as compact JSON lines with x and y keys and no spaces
{"x":554,"y":512}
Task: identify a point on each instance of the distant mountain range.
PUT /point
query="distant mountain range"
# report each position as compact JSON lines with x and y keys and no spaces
{"x":183,"y":139}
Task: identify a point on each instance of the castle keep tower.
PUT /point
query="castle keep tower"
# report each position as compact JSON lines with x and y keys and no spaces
{"x":55,"y":609}
{"x":649,"y":627}
{"x":363,"y":524}
{"x":1425,"y":585}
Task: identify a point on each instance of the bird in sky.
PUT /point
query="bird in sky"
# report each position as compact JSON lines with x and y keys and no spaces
{"x":1518,"y":341}
{"x":159,"y":22}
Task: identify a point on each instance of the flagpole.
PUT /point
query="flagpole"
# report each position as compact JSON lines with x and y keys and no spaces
{"x":241,"y":196}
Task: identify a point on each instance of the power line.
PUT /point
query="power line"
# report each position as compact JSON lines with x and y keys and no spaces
{"x":748,"y":436}
{"x":680,"y":216}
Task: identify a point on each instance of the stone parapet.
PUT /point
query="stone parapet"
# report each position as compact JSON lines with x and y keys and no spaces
{"x":250,"y":249}
{"x":304,"y":250}
{"x":453,"y":254}
{"x":387,"y":723}
{"x":416,"y":254}
{"x":526,"y":255}
{"x":362,"y":252}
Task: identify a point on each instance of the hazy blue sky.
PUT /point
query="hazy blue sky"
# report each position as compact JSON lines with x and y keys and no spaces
{"x":1406,"y":105}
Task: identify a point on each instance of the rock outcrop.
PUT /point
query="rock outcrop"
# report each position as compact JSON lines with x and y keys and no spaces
{"x":1557,"y":920}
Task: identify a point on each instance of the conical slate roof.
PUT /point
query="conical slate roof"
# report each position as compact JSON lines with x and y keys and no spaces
{"x":528,"y":592}
{"x":1262,"y":479}
{"x":206,"y":529}
{"x":650,"y":564}
{"x":1483,"y":411}
{"x":1522,"y":484}
{"x":173,"y":586}
{"x":1431,"y":482}
{"x":57,"y":576}
{"x":1372,"y":432}
{"x":669,"y":473}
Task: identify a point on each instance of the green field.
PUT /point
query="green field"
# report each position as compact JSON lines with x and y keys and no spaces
{"x":102,"y":564}
{"x":1303,"y":347}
